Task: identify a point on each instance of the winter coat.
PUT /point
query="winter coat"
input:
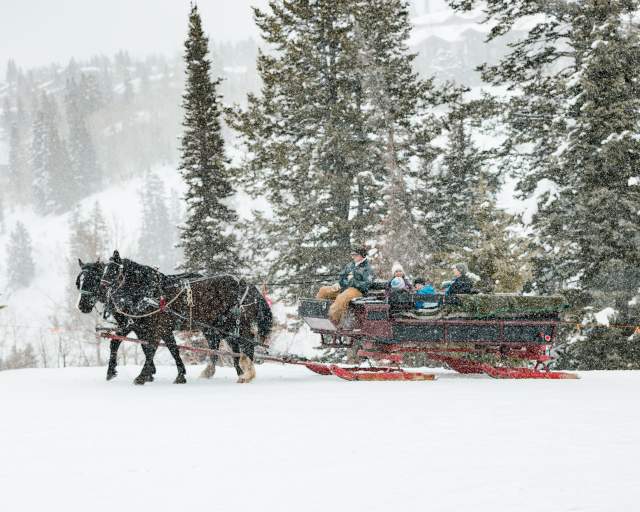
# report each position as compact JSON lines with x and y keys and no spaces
{"x":358,"y":276}
{"x":405,"y":286}
{"x":427,"y":289}
{"x":462,"y":284}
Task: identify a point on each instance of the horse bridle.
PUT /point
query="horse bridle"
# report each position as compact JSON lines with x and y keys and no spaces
{"x":119,"y":276}
{"x":80,"y":283}
{"x":94,"y":294}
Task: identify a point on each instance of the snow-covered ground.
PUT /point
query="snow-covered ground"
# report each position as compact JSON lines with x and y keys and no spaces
{"x":293,"y":440}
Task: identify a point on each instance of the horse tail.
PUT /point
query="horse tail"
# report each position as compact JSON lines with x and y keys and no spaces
{"x":264,"y":317}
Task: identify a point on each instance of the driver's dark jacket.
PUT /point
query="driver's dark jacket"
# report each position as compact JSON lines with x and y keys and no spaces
{"x":361,"y":276}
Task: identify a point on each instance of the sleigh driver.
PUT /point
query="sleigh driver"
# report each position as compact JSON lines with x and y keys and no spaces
{"x":354,"y":282}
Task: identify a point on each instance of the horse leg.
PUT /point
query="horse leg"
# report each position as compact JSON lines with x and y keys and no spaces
{"x":244,"y":364}
{"x":213,"y":340}
{"x":146,"y":374}
{"x":113,"y":359}
{"x":175,"y":353}
{"x":149,"y":353}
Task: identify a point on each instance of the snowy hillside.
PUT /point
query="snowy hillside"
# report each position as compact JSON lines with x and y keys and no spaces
{"x":296,"y":441}
{"x":50,"y":236}
{"x":34,"y":312}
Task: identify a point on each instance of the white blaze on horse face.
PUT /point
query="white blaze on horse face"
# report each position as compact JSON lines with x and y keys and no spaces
{"x":81,"y":283}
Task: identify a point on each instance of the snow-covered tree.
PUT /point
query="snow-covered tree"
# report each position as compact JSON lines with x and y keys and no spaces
{"x":54,"y":188}
{"x":453,"y":190}
{"x":20,"y":357}
{"x":206,"y":238}
{"x":82,"y":155}
{"x":7,"y":117}
{"x":156,"y":240}
{"x":89,"y":236}
{"x":1,"y":215}
{"x":20,"y":266}
{"x":19,"y":169}
{"x":89,"y":239}
{"x":463,"y":221}
{"x":12,"y":71}
{"x":329,"y":136}
{"x":400,"y":122}
{"x":575,"y":115}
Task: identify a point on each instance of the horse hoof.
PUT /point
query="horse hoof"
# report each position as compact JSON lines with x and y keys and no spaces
{"x":180,"y":379}
{"x":242,"y":380}
{"x":111,"y":375}
{"x":139,"y":380}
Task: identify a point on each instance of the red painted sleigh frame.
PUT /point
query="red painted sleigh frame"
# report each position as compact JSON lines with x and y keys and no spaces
{"x":516,"y":348}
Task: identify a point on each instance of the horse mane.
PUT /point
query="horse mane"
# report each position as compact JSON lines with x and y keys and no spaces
{"x":138,"y":278}
{"x":97,"y":267}
{"x":139,"y":270}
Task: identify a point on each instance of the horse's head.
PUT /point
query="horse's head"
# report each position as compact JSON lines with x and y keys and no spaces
{"x":88,"y":284}
{"x":112,"y":272}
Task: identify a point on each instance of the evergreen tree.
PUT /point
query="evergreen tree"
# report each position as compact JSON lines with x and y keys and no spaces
{"x":20,"y":179}
{"x":464,"y":223}
{"x":90,"y":94}
{"x":306,"y":139}
{"x":155,"y":243}
{"x":453,"y":190}
{"x":7,"y":115}
{"x":330,"y":135}
{"x":206,"y":237}
{"x":496,"y":253}
{"x":577,"y":70}
{"x":603,"y":151}
{"x":535,"y":116}
{"x":97,"y":242}
{"x":1,"y":215}
{"x":400,"y":121}
{"x":12,"y":72}
{"x":54,"y":188}
{"x":82,"y":154}
{"x":21,"y":358}
{"x":19,"y":258}
{"x":88,"y":241}
{"x":128,"y":92}
{"x":176,"y":219}
{"x":89,"y":236}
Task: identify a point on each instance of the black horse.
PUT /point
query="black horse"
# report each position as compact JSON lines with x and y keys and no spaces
{"x":221,"y":306}
{"x":88,"y":284}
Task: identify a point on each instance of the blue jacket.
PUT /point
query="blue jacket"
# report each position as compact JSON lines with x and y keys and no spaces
{"x":427,"y":289}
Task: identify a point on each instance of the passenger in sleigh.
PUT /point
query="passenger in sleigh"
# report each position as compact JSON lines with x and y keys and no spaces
{"x":424,"y":287}
{"x":461,"y":283}
{"x":399,"y":291}
{"x":354,"y":282}
{"x":398,"y":280}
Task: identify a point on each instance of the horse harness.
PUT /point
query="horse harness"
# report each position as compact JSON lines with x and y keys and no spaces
{"x":163,"y":305}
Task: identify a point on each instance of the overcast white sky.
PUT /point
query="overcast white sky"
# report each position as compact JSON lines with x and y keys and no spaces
{"x":36,"y":32}
{"x":39,"y":32}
